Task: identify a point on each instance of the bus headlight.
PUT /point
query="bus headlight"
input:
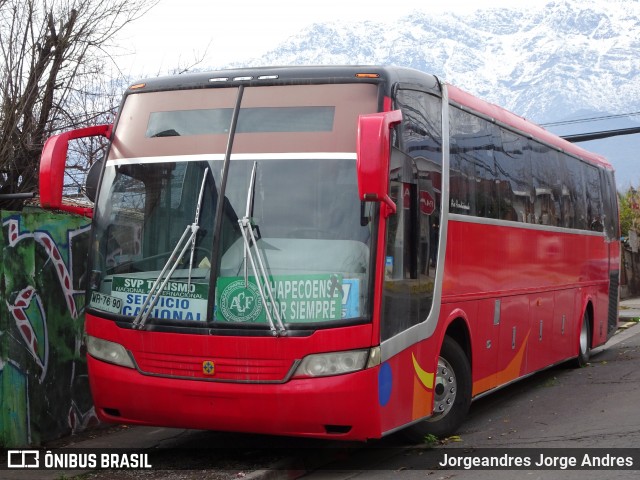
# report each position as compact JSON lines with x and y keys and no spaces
{"x":334,"y":363}
{"x":107,"y":351}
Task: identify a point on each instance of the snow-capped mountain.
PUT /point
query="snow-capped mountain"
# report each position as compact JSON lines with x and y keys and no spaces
{"x":545,"y":63}
{"x":542,"y":63}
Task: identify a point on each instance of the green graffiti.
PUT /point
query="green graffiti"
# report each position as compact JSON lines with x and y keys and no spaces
{"x":43,"y":389}
{"x":13,"y":392}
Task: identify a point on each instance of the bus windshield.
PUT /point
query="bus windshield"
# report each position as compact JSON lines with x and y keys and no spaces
{"x":153,"y":253}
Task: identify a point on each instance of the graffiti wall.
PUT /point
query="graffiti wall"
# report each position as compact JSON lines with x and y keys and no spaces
{"x":44,"y":391}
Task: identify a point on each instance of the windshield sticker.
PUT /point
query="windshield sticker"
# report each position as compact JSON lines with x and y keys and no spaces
{"x":178,"y":300}
{"x":350,"y":298}
{"x":240,"y":304}
{"x":307,"y":298}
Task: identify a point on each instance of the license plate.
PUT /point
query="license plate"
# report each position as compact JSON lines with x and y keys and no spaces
{"x":106,"y":303}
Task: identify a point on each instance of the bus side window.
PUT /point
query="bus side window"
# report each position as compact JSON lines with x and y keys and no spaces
{"x":473,"y":185}
{"x":547,"y":181}
{"x":513,"y":173}
{"x":594,"y":200}
{"x":463,"y":186}
{"x":576,"y":186}
{"x":609,"y":204}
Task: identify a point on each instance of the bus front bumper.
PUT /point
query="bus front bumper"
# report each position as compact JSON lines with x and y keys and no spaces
{"x":339,"y":407}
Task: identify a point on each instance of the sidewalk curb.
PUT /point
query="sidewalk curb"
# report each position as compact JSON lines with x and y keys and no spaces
{"x":619,"y":336}
{"x":282,"y":470}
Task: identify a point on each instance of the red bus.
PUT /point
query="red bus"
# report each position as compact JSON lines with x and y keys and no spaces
{"x":335,"y":252}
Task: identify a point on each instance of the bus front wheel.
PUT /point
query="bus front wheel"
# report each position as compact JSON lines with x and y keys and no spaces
{"x":451,"y":391}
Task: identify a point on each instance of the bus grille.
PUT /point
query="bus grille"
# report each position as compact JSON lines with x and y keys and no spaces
{"x":217,"y":369}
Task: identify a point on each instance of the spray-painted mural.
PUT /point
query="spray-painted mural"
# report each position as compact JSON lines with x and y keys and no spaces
{"x":44,"y":391}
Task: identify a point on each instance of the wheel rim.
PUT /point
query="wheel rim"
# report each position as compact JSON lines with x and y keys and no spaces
{"x":584,"y":337}
{"x":445,"y":389}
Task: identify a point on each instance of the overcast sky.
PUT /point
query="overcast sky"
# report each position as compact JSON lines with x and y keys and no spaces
{"x":175,"y":32}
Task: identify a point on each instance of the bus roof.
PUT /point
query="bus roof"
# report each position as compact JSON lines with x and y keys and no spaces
{"x":279,"y":75}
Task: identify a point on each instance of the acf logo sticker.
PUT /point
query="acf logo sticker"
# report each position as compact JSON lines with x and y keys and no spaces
{"x":240,"y":304}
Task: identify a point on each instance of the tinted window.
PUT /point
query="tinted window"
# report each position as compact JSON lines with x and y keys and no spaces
{"x":513,"y":178}
{"x":610,"y":204}
{"x":594,"y":209}
{"x":473,"y":171}
{"x":217,"y":120}
{"x":421,"y":125}
{"x":497,"y":173}
{"x":548,"y":176}
{"x":576,"y":193}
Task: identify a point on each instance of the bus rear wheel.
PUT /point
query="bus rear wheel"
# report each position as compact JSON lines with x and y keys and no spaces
{"x":584,"y":342}
{"x":451,"y":391}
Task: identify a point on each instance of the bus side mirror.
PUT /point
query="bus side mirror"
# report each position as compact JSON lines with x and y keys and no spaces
{"x":52,"y":166}
{"x":373,"y":157}
{"x":93,"y":178}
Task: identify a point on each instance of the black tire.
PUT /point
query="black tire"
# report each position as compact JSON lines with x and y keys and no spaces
{"x":584,"y":342}
{"x":450,"y":406}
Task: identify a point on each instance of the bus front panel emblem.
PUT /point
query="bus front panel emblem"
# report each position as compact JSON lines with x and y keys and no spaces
{"x":208,"y":368}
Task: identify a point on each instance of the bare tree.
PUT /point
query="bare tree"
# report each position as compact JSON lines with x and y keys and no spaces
{"x":94,"y":102}
{"x":53,"y":56}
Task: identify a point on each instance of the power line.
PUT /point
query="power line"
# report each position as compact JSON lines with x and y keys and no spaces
{"x":585,"y":137}
{"x":589,"y":119}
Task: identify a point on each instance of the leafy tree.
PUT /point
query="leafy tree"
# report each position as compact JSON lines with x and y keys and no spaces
{"x":53,"y":60}
{"x":629,"y":202}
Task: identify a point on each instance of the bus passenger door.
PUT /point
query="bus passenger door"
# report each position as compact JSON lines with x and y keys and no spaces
{"x":412,"y":246}
{"x":400,"y":302}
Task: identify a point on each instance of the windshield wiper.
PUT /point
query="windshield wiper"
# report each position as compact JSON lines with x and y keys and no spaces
{"x":259,"y":272}
{"x":248,"y":215}
{"x":217,"y":226}
{"x":197,"y":222}
{"x":188,"y":238}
